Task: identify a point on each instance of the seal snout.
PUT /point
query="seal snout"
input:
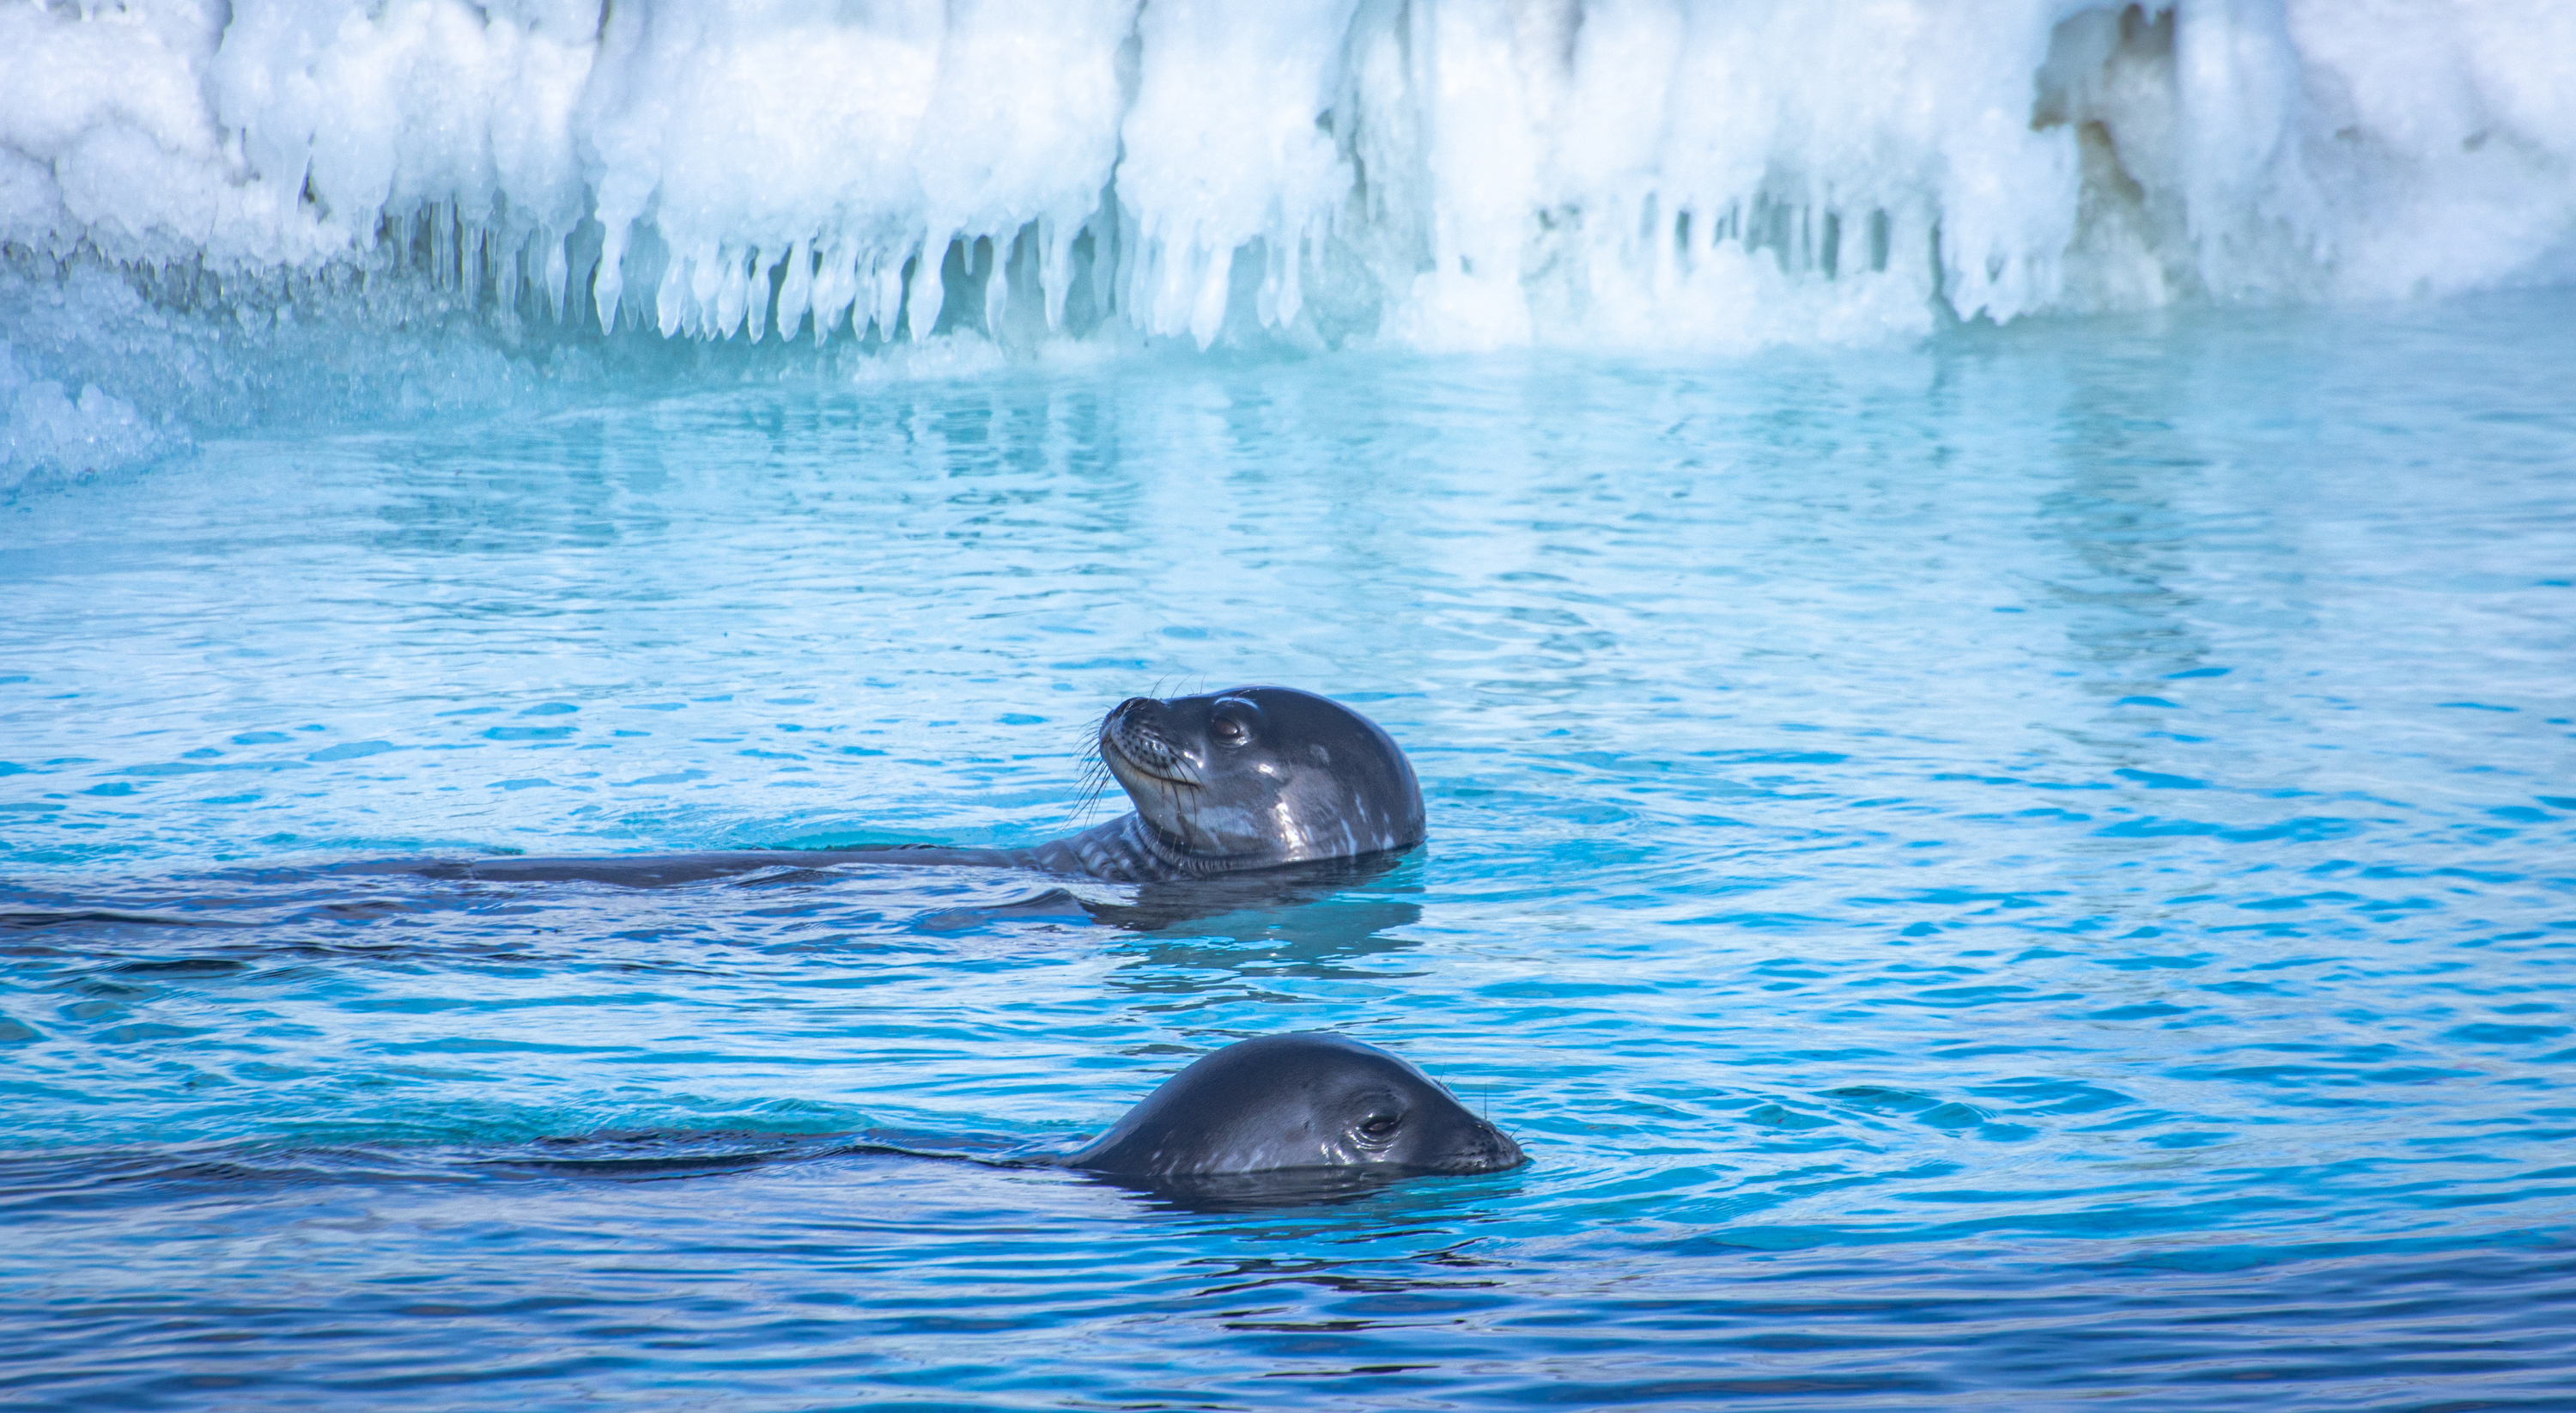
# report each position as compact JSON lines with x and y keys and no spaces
{"x":1136,"y":733}
{"x":1489,"y":1150}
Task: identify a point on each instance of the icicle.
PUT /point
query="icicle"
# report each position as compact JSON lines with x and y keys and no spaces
{"x":755,"y":299}
{"x":671,"y":299}
{"x":1108,"y":251}
{"x":836,"y":283}
{"x":793,"y":290}
{"x":558,"y":271}
{"x":928,"y":290}
{"x":1055,"y":253}
{"x":506,"y":272}
{"x":997,"y":284}
{"x":441,"y":248}
{"x":889,"y":306}
{"x":868,"y":293}
{"x":706,"y":283}
{"x":1216,"y":277}
{"x":1265,"y":300}
{"x":1141,"y":285}
{"x":733,"y":294}
{"x":609,"y":286}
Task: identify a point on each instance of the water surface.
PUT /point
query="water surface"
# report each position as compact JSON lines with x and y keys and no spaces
{"x":2036,"y":868}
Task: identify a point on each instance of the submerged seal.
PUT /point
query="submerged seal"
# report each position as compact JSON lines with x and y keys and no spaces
{"x":1298,"y":1103}
{"x":1278,"y":1120}
{"x":1228,"y":782}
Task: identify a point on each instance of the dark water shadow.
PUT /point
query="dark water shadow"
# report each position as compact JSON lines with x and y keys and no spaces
{"x":1191,"y":941}
{"x":664,"y":1155}
{"x":56,"y":1183}
{"x":655,"y":1155}
{"x":1193,"y":902}
{"x":88,"y":1180}
{"x":1323,"y":921}
{"x":1390,"y":1192}
{"x":745,"y":867}
{"x":31,"y":919}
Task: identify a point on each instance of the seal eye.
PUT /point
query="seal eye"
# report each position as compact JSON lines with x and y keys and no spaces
{"x":1229,"y":732}
{"x":1378,"y":1128}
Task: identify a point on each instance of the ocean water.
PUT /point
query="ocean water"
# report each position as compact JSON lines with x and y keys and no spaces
{"x":2032,"y":870}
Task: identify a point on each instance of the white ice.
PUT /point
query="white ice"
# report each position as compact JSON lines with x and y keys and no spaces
{"x":1432,"y":173}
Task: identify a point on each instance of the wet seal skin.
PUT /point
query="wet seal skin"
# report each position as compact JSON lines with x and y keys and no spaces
{"x":1279,"y":1120}
{"x":1302,"y":1109}
{"x":1249,"y":779}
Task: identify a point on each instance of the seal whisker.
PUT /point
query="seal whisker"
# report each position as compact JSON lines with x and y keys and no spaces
{"x":1096,"y":775}
{"x":1095,"y":786}
{"x":1094,"y":779}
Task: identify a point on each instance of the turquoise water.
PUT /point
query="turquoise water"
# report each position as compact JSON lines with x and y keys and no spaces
{"x":2034,"y":871}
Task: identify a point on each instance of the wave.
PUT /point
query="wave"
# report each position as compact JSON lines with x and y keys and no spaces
{"x":1436,"y":174}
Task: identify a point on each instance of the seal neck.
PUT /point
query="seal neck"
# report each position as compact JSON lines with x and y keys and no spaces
{"x":1128,"y":849}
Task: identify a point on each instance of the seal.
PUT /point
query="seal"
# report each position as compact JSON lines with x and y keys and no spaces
{"x":1308,"y":1102}
{"x":1280,"y":1120}
{"x":1252,"y":778}
{"x":1244,"y":780}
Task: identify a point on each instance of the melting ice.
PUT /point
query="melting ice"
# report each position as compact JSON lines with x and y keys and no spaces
{"x":1429,"y":173}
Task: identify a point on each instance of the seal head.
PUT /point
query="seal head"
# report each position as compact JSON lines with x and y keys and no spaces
{"x":1258,"y":777}
{"x":1304,"y":1102}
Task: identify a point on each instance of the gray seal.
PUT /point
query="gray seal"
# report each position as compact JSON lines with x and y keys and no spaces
{"x":1280,"y":1120}
{"x":1249,"y":779}
{"x":1302,"y":1103}
{"x":1253,"y":778}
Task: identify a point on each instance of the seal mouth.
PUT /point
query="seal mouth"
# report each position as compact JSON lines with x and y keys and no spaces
{"x":1494,"y":1152}
{"x":1139,"y":768}
{"x":1130,"y":743}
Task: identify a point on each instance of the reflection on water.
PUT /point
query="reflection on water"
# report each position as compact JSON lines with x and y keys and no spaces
{"x":2028,"y":871}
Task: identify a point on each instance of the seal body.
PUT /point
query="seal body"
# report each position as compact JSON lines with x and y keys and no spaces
{"x":1228,"y":782}
{"x":1283,"y":1120}
{"x":1300,"y":1103}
